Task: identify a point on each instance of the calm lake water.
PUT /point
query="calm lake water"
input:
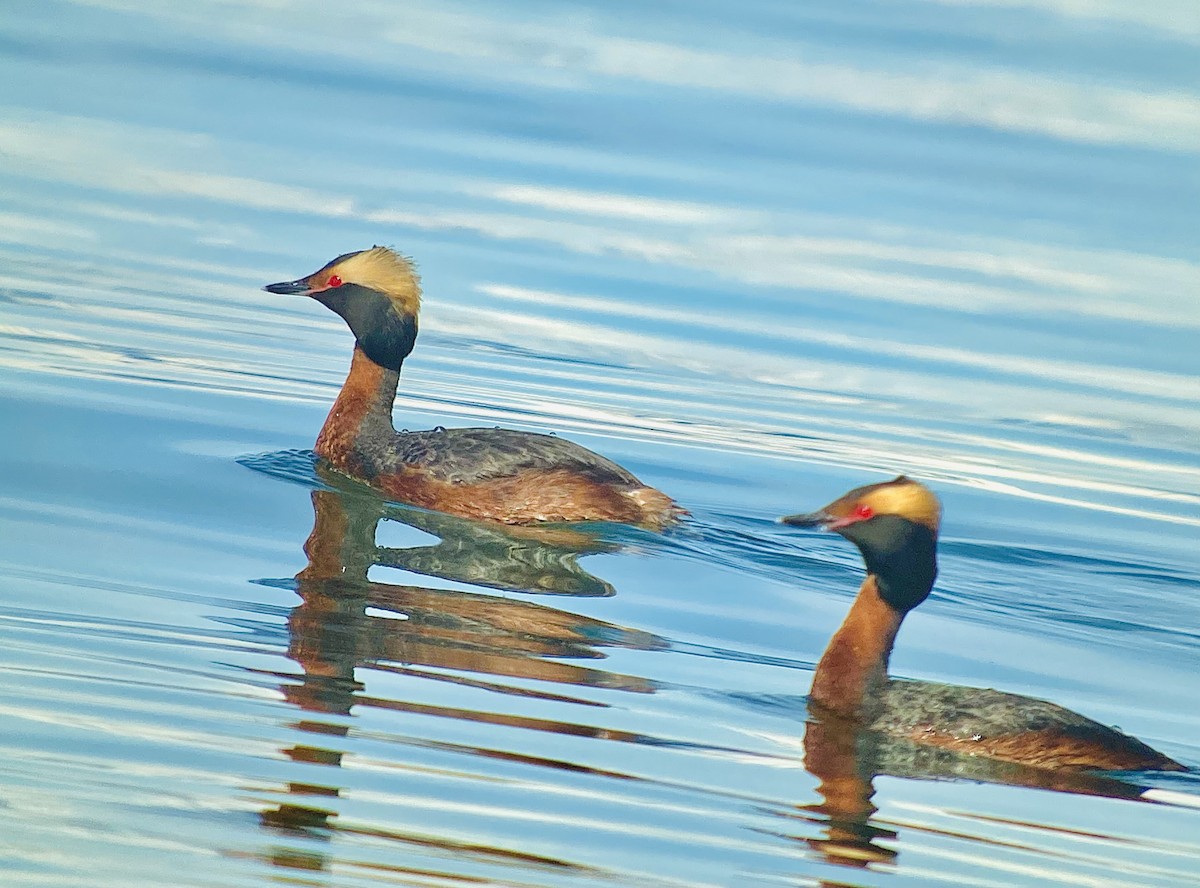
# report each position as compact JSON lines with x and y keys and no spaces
{"x":759,"y":253}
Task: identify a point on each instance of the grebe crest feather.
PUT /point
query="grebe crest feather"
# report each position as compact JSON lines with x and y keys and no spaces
{"x":380,"y":269}
{"x":902,"y":497}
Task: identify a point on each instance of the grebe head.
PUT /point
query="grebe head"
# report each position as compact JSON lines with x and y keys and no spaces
{"x":895,"y":526}
{"x":377,"y":293}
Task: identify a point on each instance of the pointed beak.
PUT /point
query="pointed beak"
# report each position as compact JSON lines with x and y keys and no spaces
{"x":290,"y":288}
{"x":820,"y":519}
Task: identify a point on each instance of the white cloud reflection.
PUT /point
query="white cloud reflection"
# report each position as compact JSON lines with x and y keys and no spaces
{"x":619,"y":206}
{"x":1114,"y":379}
{"x":1175,"y":18}
{"x":942,"y":269}
{"x":576,"y":51}
{"x":997,"y":98}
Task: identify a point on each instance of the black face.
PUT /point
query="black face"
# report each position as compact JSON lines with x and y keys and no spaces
{"x":384,"y":335}
{"x":901,"y":554}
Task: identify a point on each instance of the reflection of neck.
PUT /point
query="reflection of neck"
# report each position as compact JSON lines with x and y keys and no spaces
{"x":362,"y":411}
{"x":853,"y":668}
{"x":834,"y":755}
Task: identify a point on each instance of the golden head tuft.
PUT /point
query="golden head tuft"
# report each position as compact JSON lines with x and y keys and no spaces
{"x":902,"y":497}
{"x":381,"y":269}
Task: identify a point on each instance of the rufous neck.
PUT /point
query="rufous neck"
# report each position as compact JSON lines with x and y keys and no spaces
{"x":853,"y":669}
{"x":362,"y":411}
{"x":372,"y":388}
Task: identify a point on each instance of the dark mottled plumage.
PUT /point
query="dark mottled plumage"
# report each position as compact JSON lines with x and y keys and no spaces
{"x":966,"y":719}
{"x":467,"y":456}
{"x":968,"y":713}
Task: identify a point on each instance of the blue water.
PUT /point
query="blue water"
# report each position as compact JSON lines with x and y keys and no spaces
{"x":759,"y":254}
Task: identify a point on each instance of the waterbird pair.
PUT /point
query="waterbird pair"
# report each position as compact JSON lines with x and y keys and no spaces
{"x":521,"y":478}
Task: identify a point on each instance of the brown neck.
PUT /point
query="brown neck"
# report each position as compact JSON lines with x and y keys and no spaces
{"x":363,"y":409}
{"x":853,"y":668}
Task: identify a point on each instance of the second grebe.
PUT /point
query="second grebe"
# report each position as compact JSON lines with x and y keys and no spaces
{"x":497,"y":474}
{"x":895,"y":526}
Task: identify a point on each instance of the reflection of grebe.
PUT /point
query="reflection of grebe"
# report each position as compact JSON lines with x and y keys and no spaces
{"x":503,"y":475}
{"x":347,"y":623}
{"x":333,"y":633}
{"x":895,"y":526}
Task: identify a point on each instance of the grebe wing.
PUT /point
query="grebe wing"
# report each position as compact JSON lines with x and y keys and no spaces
{"x":469,"y":456}
{"x":966,"y":712}
{"x":982,"y":721}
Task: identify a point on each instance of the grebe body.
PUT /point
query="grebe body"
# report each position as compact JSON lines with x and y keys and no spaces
{"x":895,"y":526}
{"x":496,"y":474}
{"x":1009,"y":727}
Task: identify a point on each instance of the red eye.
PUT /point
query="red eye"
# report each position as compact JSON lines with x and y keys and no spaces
{"x":862,"y":512}
{"x":334,"y":281}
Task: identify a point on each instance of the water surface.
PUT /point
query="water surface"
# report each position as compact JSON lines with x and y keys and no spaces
{"x":759,"y":255}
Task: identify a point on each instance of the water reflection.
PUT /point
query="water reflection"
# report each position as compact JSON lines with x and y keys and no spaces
{"x":846,"y":759}
{"x":346,"y":621}
{"x":509,"y":557}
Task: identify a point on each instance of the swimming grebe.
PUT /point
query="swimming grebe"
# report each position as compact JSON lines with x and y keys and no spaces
{"x":498,"y":474}
{"x":895,"y":526}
